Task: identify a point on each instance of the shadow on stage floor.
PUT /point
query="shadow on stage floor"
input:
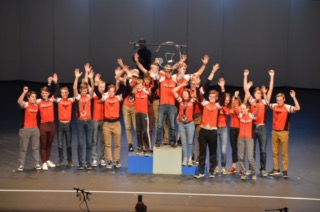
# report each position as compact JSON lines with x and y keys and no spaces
{"x":116,"y":190}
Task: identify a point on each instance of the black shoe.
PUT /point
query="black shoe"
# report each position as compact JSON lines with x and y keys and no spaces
{"x":274,"y":173}
{"x":70,"y":164}
{"x":59,"y":163}
{"x":179,"y":142}
{"x":80,"y":167}
{"x":285,"y":174}
{"x":173,"y":145}
{"x":130,"y":149}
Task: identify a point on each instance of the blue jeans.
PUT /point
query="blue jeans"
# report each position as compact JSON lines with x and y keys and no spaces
{"x":260,"y":135}
{"x":85,"y":133}
{"x":97,"y":135}
{"x":166,"y":110}
{"x":222,"y":143}
{"x":186,"y":134}
{"x":64,"y":131}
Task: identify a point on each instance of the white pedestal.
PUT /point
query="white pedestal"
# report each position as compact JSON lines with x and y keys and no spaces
{"x":167,"y":160}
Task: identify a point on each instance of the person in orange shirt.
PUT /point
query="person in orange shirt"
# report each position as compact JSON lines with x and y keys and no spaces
{"x":245,"y":141}
{"x":142,"y":96}
{"x":260,"y":128}
{"x":29,"y":131}
{"x":154,"y":70}
{"x":111,"y":124}
{"x":280,"y":131}
{"x":98,"y":117}
{"x":65,"y":105}
{"x":128,"y":109}
{"x":208,"y":131}
{"x":47,"y":125}
{"x":186,"y":123}
{"x":84,"y":118}
{"x":234,"y":130}
{"x":223,"y":134}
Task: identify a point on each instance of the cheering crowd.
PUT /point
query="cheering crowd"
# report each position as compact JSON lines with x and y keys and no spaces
{"x":165,"y":98}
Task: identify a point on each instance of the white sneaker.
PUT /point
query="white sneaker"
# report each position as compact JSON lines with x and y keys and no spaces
{"x":44,"y":166}
{"x":109,"y":165}
{"x":102,"y":162}
{"x":20,"y":168}
{"x":94,"y":163}
{"x":184,"y":162}
{"x":50,"y":164}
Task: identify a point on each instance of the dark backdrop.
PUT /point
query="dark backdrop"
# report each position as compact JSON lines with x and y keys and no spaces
{"x":39,"y":37}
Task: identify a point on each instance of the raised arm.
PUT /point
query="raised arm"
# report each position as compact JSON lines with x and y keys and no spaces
{"x":77,"y":75}
{"x":21,"y":101}
{"x":221,"y":83}
{"x":296,"y":103}
{"x":247,"y":91}
{"x":87,"y":69}
{"x":271,"y":83}
{"x":140,"y":66}
{"x":96,"y":83}
{"x":245,"y":85}
{"x":56,"y":85}
{"x":182,"y":60}
{"x":175,"y":90}
{"x":205,"y":61}
{"x":90,"y":76}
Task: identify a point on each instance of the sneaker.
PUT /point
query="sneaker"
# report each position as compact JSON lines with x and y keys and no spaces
{"x":130,"y":148}
{"x":109,"y":165}
{"x":80,"y":167}
{"x":232,"y":170}
{"x":285,"y":174}
{"x":141,"y":153}
{"x":184,"y":162}
{"x":20,"y":168}
{"x":212,"y":175}
{"x":264,"y":173}
{"x":45,"y":166}
{"x":173,"y":145}
{"x":190,"y":162}
{"x":274,"y":172}
{"x":253,"y":177}
{"x":59,"y":163}
{"x":179,"y":142}
{"x":248,"y":172}
{"x":118,"y":165}
{"x":147,"y":154}
{"x":50,"y":164}
{"x":199,"y":175}
{"x":243,"y":177}
{"x":88,"y":166}
{"x":94,"y":163}
{"x":38,"y":167}
{"x":70,"y":164}
{"x":216,"y":170}
{"x":224,"y":171}
{"x":158,"y":145}
{"x":102,"y":162}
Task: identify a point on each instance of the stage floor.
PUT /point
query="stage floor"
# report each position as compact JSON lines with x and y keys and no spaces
{"x":116,"y":190}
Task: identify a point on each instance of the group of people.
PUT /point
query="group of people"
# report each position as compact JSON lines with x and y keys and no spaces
{"x":161,"y":97}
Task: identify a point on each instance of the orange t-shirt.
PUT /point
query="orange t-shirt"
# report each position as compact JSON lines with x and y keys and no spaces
{"x":29,"y":117}
{"x":65,"y":109}
{"x":261,"y":107}
{"x":46,"y":109}
{"x":84,"y":107}
{"x":281,"y":115}
{"x":98,"y":107}
{"x":210,"y":114}
{"x":246,"y":125}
